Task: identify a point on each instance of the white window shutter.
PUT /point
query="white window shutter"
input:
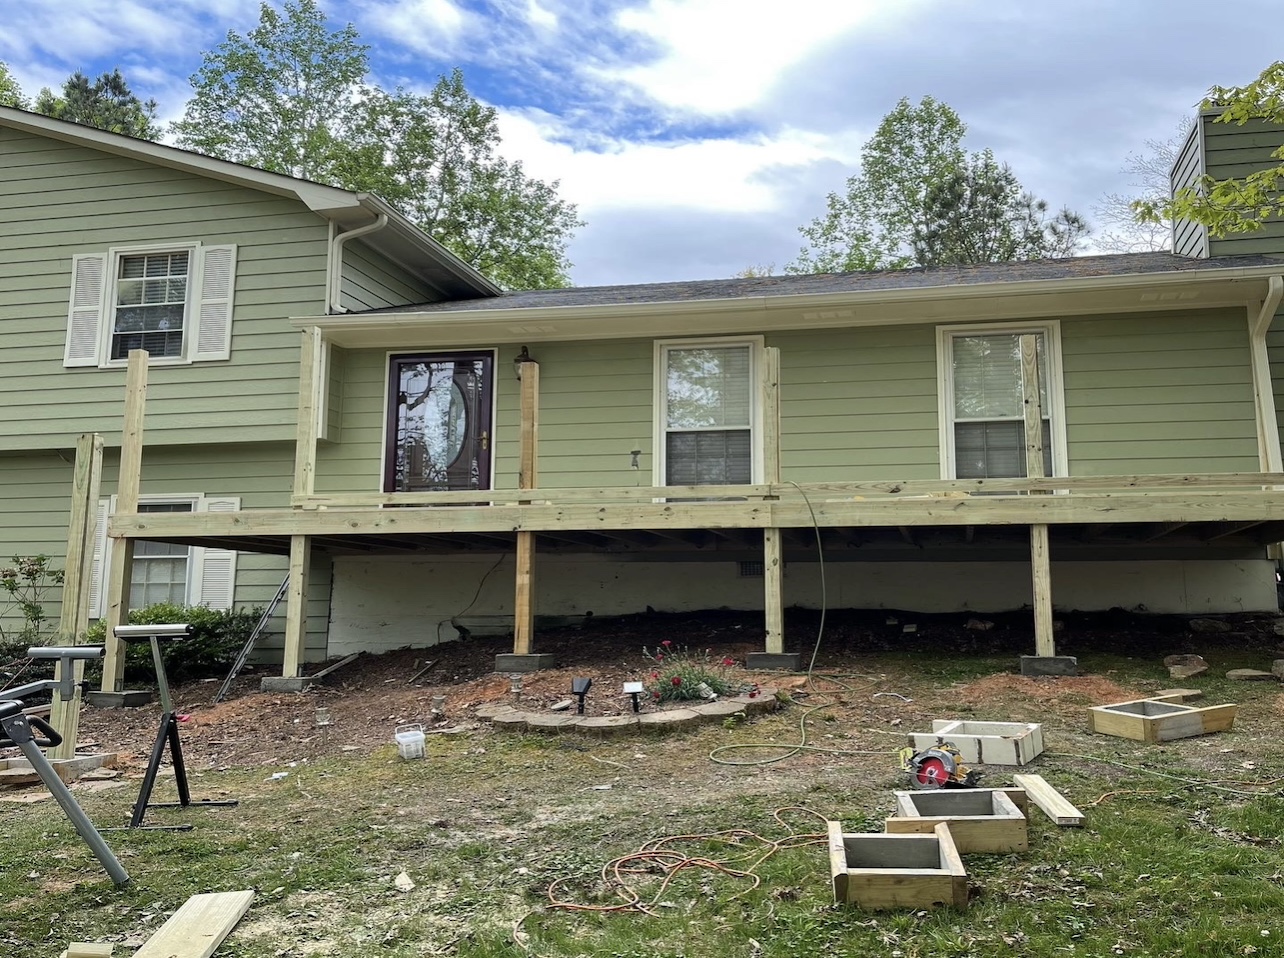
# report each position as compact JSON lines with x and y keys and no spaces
{"x":99,"y":566}
{"x":216,"y":567}
{"x":84,"y":315}
{"x":216,"y":283}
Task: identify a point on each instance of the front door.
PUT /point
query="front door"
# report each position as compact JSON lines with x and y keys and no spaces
{"x":439,"y":422}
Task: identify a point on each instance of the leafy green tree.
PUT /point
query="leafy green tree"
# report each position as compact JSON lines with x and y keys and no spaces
{"x":1235,"y":204}
{"x":294,"y":97}
{"x":10,"y":91}
{"x":921,"y":199}
{"x":107,"y":103}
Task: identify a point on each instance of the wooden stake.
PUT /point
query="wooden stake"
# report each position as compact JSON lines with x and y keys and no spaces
{"x":127,"y":487}
{"x":527,"y":478}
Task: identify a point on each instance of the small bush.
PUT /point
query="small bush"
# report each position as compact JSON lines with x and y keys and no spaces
{"x":24,"y":588}
{"x":677,"y":673}
{"x":208,"y":653}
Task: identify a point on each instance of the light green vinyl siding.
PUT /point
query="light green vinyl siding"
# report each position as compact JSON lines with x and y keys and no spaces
{"x":58,"y":200}
{"x":35,"y":501}
{"x":1168,"y":393}
{"x":1236,"y":151}
{"x":371,"y":281}
{"x":1189,"y":238}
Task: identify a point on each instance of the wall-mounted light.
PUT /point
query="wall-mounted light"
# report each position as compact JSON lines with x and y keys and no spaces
{"x":520,"y":360}
{"x":634,"y":689}
{"x":579,"y":688}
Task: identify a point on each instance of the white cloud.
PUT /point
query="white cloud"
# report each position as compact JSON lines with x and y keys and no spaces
{"x":718,"y":61}
{"x":540,"y":17}
{"x":424,"y":25}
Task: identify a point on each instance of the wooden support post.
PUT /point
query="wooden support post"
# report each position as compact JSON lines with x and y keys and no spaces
{"x":306,"y":429}
{"x":85,"y":485}
{"x":772,"y":538}
{"x":1040,"y":560}
{"x":527,"y":478}
{"x":127,"y":486}
{"x":296,"y":606}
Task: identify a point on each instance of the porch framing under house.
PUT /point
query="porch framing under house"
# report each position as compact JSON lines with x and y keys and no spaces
{"x":773,"y":521}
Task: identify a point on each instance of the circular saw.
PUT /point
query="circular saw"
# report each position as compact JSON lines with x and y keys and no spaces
{"x":940,"y":766}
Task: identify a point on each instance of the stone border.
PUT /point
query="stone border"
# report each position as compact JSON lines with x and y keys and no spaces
{"x":504,"y":716}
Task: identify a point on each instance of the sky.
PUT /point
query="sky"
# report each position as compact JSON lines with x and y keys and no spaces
{"x":696,"y":136}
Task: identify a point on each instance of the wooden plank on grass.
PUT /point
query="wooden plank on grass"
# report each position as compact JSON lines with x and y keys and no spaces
{"x":1052,"y":802}
{"x":198,"y":927}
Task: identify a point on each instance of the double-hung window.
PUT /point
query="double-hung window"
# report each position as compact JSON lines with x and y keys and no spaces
{"x":983,"y":401}
{"x":708,"y":411}
{"x":173,"y":300}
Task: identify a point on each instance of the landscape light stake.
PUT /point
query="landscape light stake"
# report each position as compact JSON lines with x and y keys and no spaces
{"x":579,"y":688}
{"x":633,"y":689}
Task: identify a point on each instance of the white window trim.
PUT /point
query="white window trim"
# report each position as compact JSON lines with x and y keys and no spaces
{"x":1051,"y":330}
{"x":660,"y":396}
{"x":108,"y":318}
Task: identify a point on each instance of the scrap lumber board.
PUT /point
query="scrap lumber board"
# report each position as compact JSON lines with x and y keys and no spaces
{"x":199,"y":927}
{"x":88,"y":949}
{"x":1052,"y":802}
{"x":336,"y":666}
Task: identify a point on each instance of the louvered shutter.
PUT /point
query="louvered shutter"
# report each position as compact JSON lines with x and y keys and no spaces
{"x":98,"y":566}
{"x":84,"y":315}
{"x":217,"y":567}
{"x":213,"y":308}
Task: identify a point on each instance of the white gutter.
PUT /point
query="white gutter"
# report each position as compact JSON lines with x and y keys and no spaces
{"x":1268,"y":434}
{"x":336,"y":259}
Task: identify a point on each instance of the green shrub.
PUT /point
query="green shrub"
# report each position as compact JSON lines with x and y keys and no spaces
{"x":208,"y":653}
{"x":677,"y":674}
{"x":24,"y":589}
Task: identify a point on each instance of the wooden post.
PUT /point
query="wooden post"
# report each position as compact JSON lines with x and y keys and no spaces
{"x":296,"y":609}
{"x":127,"y":486}
{"x":527,"y":478}
{"x":77,"y":570}
{"x":1040,"y":560}
{"x":306,"y":429}
{"x":772,"y":558}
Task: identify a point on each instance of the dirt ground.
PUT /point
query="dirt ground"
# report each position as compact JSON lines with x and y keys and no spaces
{"x":359,"y":706}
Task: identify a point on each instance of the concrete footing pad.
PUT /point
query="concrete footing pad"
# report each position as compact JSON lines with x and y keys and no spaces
{"x":1034,"y":665}
{"x":119,"y":700}
{"x":285,"y":683}
{"x":776,"y":661}
{"x":533,"y":662}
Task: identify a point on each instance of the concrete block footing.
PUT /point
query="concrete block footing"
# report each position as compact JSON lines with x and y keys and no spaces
{"x":119,"y":700}
{"x":776,"y":661}
{"x":1035,"y":665}
{"x":532,"y":662}
{"x":285,"y":683}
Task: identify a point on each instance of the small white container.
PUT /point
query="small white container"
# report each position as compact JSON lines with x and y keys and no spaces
{"x":410,"y":740}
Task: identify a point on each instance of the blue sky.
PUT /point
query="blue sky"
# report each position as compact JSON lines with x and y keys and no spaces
{"x":697,"y":135}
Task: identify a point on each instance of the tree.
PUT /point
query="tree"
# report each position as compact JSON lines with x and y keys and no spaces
{"x":1149,"y":172}
{"x":294,"y":97}
{"x":1236,"y":204}
{"x":10,"y":91}
{"x":107,"y":104}
{"x":921,"y":199}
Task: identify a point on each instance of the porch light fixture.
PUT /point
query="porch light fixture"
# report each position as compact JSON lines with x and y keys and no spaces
{"x":580,"y":688}
{"x":520,"y":360}
{"x":633,"y":689}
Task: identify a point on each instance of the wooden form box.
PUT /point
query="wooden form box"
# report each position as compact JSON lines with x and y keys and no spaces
{"x":1153,"y":720}
{"x":986,"y":743}
{"x":980,"y":819}
{"x":896,"y":871}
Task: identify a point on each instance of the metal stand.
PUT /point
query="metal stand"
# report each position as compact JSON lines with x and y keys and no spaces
{"x":18,"y":729}
{"x":167,"y":733}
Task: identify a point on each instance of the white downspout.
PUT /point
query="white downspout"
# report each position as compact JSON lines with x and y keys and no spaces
{"x":336,"y":258}
{"x":1268,"y":435}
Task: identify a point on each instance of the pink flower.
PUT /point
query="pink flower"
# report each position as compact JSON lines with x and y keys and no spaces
{"x":655,"y":675}
{"x":753,"y":694}
{"x":666,"y":642}
{"x":659,"y":657}
{"x":677,"y":680}
{"x":655,"y":695}
{"x":728,"y":661}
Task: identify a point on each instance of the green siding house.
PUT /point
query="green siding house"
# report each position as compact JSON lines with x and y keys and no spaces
{"x":331,"y":395}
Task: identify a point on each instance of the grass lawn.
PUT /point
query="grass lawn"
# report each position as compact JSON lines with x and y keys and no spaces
{"x":483,"y":825}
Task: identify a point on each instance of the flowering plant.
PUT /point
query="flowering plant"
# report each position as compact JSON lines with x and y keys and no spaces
{"x":679,"y":675}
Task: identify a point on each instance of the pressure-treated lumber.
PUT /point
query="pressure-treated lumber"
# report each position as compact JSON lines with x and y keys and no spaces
{"x":1160,"y":720}
{"x":296,"y":612}
{"x":1051,"y":802}
{"x":981,"y":820}
{"x":773,"y":566}
{"x":527,"y":478}
{"x":985,"y":743}
{"x":88,"y":949}
{"x":198,"y":927}
{"x":896,"y":871}
{"x":307,"y":427}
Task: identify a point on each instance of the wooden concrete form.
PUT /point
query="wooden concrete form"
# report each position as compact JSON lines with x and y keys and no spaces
{"x":1158,"y":720}
{"x":1051,"y":802}
{"x":878,"y":872}
{"x":18,"y":771}
{"x":985,"y":743}
{"x":982,"y":820}
{"x":198,"y":927}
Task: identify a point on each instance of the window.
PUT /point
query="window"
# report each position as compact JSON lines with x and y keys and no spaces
{"x":982,"y":401}
{"x":164,"y":572}
{"x":707,"y":417}
{"x":175,"y":302}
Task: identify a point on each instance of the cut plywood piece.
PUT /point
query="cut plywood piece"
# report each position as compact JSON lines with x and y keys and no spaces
{"x":1159,"y":720}
{"x":981,"y":820}
{"x":1052,"y":803}
{"x":878,"y":872}
{"x":985,"y":743}
{"x":198,"y":927}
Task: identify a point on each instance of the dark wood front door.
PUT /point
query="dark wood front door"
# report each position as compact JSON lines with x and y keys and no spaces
{"x":440,"y":418}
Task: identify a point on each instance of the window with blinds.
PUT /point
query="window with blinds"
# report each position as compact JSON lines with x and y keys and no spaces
{"x":708,"y":414}
{"x":987,"y":404}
